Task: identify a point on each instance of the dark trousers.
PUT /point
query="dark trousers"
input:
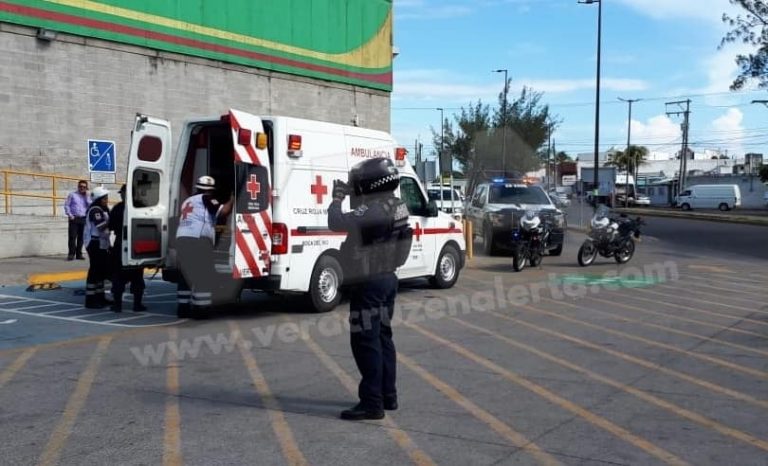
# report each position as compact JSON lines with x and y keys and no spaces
{"x":198,"y":276}
{"x":98,"y":271}
{"x":123,"y":275}
{"x":75,"y":237}
{"x":372,"y":304}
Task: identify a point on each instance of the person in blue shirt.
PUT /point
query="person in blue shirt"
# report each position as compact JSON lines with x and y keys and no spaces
{"x":75,"y":207}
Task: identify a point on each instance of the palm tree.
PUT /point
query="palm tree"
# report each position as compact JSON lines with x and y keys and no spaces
{"x":629,"y":160}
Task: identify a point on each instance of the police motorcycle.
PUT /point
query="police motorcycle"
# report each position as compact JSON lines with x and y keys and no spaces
{"x":530,"y":240}
{"x":610,"y":236}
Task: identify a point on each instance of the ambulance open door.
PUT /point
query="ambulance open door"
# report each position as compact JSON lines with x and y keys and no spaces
{"x":147,"y":198}
{"x":252,"y":231}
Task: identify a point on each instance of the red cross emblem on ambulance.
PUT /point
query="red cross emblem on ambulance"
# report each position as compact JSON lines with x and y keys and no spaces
{"x":253,"y":187}
{"x":418,"y":231}
{"x":318,"y":189}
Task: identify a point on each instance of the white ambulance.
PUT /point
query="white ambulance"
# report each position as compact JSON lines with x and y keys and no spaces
{"x":281,"y":171}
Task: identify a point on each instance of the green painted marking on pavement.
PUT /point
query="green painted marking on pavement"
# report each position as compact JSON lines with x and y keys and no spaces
{"x":590,"y":280}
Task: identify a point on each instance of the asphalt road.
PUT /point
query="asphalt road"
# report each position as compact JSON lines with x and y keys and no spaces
{"x":749,"y":241}
{"x":660,"y":361}
{"x":698,"y":237}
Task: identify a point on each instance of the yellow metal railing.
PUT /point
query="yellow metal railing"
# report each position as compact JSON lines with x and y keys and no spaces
{"x":48,"y":193}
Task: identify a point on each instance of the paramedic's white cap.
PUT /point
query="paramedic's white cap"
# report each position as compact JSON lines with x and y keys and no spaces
{"x":99,"y":192}
{"x":206,"y":183}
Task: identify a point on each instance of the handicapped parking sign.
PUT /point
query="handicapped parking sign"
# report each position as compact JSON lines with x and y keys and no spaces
{"x":101,"y":156}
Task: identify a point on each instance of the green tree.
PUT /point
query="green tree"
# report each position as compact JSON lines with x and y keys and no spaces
{"x":628,"y":160}
{"x":476,"y":140}
{"x":749,"y":27}
{"x":764,"y":173}
{"x":561,"y":157}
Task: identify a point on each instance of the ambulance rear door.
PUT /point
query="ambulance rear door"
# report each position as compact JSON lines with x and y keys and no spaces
{"x":147,"y":205}
{"x":252,"y":231}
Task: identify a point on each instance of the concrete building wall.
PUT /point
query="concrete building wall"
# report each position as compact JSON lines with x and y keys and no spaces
{"x":56,"y":95}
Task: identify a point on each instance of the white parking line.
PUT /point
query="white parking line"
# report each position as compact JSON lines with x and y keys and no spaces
{"x":35,"y":306}
{"x":83,"y":318}
{"x":14,"y":302}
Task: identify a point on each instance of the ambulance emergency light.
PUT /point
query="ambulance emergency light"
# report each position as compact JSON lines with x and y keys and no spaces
{"x":400,"y":154}
{"x":294,"y":146}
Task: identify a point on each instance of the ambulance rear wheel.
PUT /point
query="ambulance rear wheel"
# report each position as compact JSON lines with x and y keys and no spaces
{"x":325,"y":285}
{"x":447,"y":271}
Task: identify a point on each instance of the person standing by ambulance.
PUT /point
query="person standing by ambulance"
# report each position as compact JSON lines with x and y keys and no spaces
{"x":378,"y":242}
{"x":120,"y":273}
{"x":75,"y":207}
{"x":96,"y":238}
{"x":195,"y":239}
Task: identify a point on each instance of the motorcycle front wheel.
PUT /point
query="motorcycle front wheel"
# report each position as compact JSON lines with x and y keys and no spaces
{"x":587,"y":253}
{"x":625,"y":253}
{"x":536,"y":259}
{"x":518,"y":261}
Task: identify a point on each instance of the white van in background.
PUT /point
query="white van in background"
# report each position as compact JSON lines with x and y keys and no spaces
{"x":710,"y":196}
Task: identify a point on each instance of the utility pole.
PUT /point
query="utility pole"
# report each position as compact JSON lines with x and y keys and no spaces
{"x":597,"y":89}
{"x":554,"y":158}
{"x":686,"y":105}
{"x":549,"y":161}
{"x":440,"y":157}
{"x":629,"y":141}
{"x":504,"y":125}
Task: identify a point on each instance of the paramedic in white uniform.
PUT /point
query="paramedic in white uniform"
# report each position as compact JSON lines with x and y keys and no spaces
{"x":195,"y":239}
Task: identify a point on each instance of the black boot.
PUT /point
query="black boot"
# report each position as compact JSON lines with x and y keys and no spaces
{"x":137,"y":306}
{"x":117,"y":304}
{"x":360,"y":413}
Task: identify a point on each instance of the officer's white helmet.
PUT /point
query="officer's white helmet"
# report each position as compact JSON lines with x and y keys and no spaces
{"x":206,"y":183}
{"x":530,"y":220}
{"x":99,"y":192}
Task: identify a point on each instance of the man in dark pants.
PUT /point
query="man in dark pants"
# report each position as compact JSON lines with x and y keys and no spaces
{"x":75,"y":207}
{"x":195,"y":238}
{"x":120,"y":273}
{"x":97,"y":244}
{"x":378,"y":242}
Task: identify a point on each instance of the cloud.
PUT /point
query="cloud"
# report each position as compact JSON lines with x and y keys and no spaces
{"x":420,"y":9}
{"x":659,"y":133}
{"x":703,"y":10}
{"x":426,"y":85}
{"x":728,"y":129}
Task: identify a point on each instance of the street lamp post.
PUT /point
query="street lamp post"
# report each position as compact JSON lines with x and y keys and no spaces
{"x":503,"y":126}
{"x":597,"y":87}
{"x":440,"y":156}
{"x":629,"y":139}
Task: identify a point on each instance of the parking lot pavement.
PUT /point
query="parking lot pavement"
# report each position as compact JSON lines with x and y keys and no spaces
{"x":660,"y":361}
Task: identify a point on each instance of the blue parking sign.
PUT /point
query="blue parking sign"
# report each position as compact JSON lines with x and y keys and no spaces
{"x":101,"y":156}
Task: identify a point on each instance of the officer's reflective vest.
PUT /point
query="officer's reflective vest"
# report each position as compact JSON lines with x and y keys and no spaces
{"x":196,"y":221}
{"x":92,"y":231}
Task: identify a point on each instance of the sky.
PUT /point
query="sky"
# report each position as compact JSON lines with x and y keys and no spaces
{"x":655,"y":50}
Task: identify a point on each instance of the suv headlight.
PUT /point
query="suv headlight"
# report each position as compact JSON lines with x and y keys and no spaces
{"x":559,"y":220}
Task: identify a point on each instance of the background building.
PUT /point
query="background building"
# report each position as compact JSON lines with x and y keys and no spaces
{"x":76,"y":70}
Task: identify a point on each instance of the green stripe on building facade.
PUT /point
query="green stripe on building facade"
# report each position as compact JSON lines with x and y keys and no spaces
{"x":324,"y":26}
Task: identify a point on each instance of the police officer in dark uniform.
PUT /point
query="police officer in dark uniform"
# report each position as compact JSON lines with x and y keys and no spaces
{"x":120,"y":273}
{"x":378,"y":242}
{"x":97,"y":241}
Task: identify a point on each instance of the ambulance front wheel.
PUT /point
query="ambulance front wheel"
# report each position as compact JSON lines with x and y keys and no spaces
{"x":325,"y":285}
{"x":447,"y":271}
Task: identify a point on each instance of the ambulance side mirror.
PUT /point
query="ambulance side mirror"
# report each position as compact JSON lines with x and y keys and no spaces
{"x":432,"y":209}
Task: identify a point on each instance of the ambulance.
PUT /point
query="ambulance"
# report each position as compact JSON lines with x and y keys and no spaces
{"x":280,"y":171}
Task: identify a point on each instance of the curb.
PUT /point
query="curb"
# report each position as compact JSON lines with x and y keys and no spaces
{"x":47,"y":280}
{"x":742,"y":219}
